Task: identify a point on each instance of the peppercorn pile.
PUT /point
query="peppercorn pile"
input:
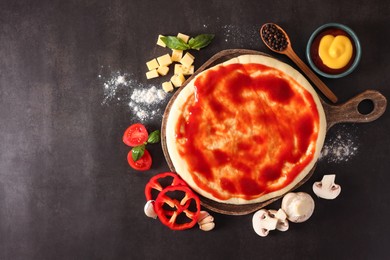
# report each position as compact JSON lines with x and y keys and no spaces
{"x":274,"y":37}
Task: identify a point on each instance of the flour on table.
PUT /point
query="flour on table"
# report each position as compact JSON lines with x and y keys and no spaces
{"x":247,"y":36}
{"x":341,"y":147}
{"x":114,"y":86}
{"x":146,"y":101}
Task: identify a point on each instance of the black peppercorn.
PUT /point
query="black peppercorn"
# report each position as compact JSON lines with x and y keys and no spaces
{"x":274,"y":37}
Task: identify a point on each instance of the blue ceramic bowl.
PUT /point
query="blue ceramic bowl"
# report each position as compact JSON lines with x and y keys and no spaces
{"x":358,"y":50}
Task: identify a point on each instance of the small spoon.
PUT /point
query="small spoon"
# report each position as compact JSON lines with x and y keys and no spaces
{"x":279,"y":42}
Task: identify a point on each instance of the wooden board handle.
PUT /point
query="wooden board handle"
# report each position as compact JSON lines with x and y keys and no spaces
{"x":348,"y":111}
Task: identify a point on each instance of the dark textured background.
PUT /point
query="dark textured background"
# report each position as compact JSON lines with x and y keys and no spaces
{"x":66,"y":191}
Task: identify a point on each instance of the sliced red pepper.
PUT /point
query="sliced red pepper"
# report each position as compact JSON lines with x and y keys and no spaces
{"x":170,"y":217}
{"x":155,"y":183}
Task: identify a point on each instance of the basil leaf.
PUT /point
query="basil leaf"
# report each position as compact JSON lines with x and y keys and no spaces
{"x":200,"y":41}
{"x":137,"y":152}
{"x":154,"y":137}
{"x":175,"y":43}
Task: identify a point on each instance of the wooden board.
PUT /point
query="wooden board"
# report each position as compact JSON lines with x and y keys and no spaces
{"x":346,"y":112}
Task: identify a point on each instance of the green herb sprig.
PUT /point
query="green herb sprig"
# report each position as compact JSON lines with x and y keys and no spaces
{"x":138,"y":151}
{"x":196,"y":43}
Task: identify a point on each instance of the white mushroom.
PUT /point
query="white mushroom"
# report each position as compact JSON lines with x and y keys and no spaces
{"x":206,"y":221}
{"x":263,"y":222}
{"x":280,"y":215}
{"x":326,"y":188}
{"x":149,"y":209}
{"x":298,"y":206}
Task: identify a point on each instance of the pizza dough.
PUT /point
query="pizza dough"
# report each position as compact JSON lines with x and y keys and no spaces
{"x":246,"y":130}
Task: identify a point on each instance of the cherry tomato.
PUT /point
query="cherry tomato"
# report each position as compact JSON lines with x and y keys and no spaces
{"x":142,"y":164}
{"x":135,"y":135}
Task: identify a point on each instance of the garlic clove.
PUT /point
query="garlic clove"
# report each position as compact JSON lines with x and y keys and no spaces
{"x":205,"y":221}
{"x":149,"y":209}
{"x":202,"y":215}
{"x":207,"y":226}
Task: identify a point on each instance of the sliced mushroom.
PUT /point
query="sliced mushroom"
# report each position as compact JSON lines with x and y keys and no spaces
{"x":206,"y":221}
{"x":298,"y":206}
{"x":326,"y":188}
{"x":263,"y":222}
{"x":149,"y":209}
{"x":280,"y":215}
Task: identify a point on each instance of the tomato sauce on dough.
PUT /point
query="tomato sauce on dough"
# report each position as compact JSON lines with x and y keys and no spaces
{"x":248,"y":130}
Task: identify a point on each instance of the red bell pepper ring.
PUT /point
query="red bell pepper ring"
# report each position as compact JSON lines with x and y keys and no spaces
{"x":154,"y":183}
{"x":169,"y":217}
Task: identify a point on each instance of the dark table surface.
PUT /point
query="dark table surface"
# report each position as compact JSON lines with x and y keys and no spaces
{"x":66,"y":190}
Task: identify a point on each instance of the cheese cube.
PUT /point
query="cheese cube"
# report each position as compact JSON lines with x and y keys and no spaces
{"x":152,"y":74}
{"x":184,"y":37}
{"x":163,"y":70}
{"x":190,"y":70}
{"x":164,"y":60}
{"x":167,"y":86}
{"x":177,"y":55}
{"x":180,"y":69}
{"x":177,"y":80}
{"x":160,"y":42}
{"x":187,"y":60}
{"x":152,"y":64}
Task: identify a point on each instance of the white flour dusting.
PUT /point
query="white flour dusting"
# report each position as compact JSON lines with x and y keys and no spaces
{"x":114,"y":86}
{"x":146,"y":101}
{"x":341,"y":147}
{"x":245,"y":37}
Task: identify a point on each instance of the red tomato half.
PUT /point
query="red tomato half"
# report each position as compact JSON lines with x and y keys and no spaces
{"x":135,"y":135}
{"x":143,"y":164}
